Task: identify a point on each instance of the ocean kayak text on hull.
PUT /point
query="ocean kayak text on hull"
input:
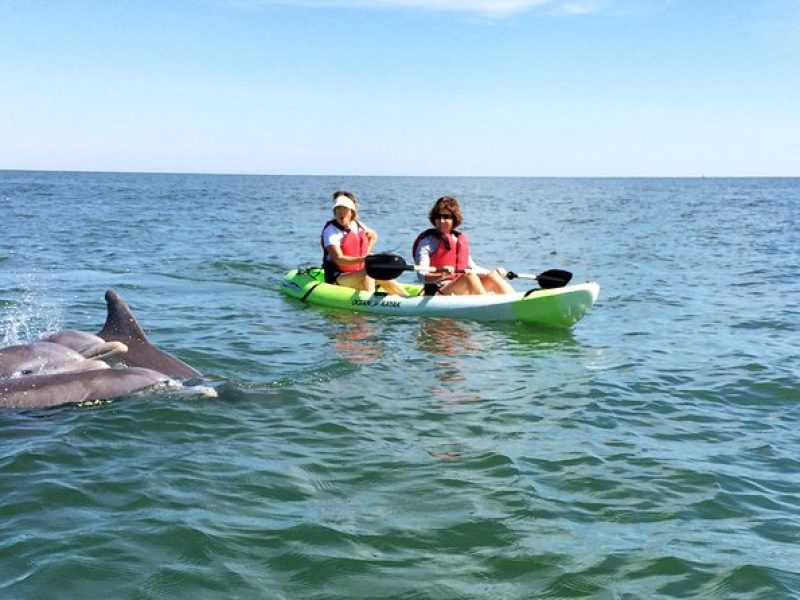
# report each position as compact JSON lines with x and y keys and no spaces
{"x":557,"y":307}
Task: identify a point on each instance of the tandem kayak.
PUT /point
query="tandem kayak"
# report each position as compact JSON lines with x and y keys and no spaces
{"x":557,"y":307}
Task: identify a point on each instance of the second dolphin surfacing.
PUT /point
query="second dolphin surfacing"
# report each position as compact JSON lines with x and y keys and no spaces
{"x":65,"y":367}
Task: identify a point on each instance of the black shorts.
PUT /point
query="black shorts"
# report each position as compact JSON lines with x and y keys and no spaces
{"x":431,"y":289}
{"x":331,"y":272}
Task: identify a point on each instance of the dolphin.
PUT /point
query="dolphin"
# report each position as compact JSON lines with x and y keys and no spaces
{"x":46,"y":391}
{"x":122,"y":326}
{"x":64,"y":367}
{"x":41,"y":358}
{"x":87,"y":344}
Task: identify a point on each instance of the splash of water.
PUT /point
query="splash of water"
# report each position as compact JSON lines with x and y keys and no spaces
{"x":27,"y":318}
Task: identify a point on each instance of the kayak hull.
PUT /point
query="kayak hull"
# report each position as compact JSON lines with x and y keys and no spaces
{"x":557,"y":307}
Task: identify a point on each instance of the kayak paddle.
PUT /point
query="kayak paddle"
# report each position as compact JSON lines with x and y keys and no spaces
{"x":386,"y":266}
{"x":391,"y":266}
{"x":552,"y":278}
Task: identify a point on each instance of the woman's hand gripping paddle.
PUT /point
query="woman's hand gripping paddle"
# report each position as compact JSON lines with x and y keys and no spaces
{"x":391,"y":266}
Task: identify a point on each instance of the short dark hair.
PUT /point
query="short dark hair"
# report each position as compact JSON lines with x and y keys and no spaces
{"x":448,"y":203}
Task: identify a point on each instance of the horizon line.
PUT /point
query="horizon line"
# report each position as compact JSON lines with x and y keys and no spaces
{"x":240,"y":174}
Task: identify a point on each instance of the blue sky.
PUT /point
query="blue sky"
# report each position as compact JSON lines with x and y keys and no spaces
{"x":402,"y":87}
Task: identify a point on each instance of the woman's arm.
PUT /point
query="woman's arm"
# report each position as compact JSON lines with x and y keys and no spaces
{"x":423,"y":259}
{"x":339,"y":257}
{"x":332,"y":238}
{"x":372,"y":237}
{"x":474,"y":267}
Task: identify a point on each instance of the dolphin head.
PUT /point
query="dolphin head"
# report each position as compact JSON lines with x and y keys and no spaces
{"x":41,"y":358}
{"x":87,"y":344}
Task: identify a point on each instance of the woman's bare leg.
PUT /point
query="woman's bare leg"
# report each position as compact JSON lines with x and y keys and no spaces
{"x":467,"y":284}
{"x":495,"y":282}
{"x":358,"y":280}
{"x":392,"y":287}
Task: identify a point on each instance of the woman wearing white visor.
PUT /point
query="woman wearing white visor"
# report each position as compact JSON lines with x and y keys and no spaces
{"x":345,"y":242}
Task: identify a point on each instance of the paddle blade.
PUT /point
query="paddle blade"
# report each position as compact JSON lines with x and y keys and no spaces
{"x":386,"y":266}
{"x":553,"y":278}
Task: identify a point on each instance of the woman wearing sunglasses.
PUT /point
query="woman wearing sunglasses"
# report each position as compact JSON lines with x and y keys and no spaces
{"x":446,"y":249}
{"x":345,"y":242}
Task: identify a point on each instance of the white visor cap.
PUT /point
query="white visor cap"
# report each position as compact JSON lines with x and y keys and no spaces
{"x":344,"y":201}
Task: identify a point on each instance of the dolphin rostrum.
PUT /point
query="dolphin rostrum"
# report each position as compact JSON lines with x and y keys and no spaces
{"x":87,"y":344}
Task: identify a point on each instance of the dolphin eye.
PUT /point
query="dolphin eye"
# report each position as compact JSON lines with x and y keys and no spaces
{"x":26,"y":372}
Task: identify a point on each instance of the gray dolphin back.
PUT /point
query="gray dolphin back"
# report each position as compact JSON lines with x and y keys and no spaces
{"x":122,"y":326}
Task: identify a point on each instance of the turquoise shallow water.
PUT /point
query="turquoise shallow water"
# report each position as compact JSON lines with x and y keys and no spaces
{"x":650,"y":452}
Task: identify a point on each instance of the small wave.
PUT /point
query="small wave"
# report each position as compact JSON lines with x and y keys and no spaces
{"x":752,"y":580}
{"x":768,"y":324}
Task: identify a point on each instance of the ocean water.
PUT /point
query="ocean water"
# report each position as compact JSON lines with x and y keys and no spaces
{"x":651,"y":452}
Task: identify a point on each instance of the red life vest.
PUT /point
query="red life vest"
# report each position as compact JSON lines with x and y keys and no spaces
{"x":453,"y":250}
{"x":353,"y":244}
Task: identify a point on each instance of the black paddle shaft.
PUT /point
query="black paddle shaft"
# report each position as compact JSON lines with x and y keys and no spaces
{"x":391,"y":266}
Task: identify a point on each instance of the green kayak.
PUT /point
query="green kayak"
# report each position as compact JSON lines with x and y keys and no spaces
{"x":560,"y":307}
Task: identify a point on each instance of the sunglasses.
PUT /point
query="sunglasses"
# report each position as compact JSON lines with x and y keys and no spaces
{"x":447,"y":216}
